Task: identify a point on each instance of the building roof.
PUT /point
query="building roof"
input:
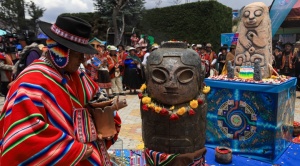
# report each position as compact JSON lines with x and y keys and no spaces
{"x":98,"y":40}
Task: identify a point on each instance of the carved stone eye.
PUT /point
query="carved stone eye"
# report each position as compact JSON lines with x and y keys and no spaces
{"x":159,"y":75}
{"x":185,"y":76}
{"x":246,"y":14}
{"x":258,"y":13}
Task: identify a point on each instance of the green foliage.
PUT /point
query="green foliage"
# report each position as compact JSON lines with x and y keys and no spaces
{"x":34,"y":11}
{"x":12,"y":15}
{"x":120,"y":14}
{"x":197,"y":22}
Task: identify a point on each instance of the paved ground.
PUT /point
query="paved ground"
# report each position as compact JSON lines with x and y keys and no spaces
{"x":131,"y":135}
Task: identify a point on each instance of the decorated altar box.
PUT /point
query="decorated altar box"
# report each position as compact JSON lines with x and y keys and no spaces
{"x":255,"y":120}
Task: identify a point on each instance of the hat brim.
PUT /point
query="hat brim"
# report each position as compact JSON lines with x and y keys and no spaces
{"x":82,"y":48}
{"x":288,"y":44}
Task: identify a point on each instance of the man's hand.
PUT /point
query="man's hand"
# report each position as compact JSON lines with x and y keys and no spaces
{"x":88,"y":153}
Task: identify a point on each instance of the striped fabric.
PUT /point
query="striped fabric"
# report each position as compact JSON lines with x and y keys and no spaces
{"x":37,"y":119}
{"x":159,"y":159}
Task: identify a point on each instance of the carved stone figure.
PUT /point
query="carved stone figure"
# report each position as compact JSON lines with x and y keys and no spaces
{"x":174,"y":122}
{"x":255,"y":38}
{"x":257,"y":71}
{"x":230,"y":70}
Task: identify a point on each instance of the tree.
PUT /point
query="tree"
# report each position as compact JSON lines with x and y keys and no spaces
{"x":12,"y":14}
{"x":158,"y":3}
{"x":35,"y":12}
{"x":175,"y":2}
{"x":120,"y":13}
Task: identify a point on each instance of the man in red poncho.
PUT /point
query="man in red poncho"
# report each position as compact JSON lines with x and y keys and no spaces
{"x":44,"y":120}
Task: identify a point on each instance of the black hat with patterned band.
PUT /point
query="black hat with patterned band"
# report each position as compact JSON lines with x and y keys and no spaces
{"x":71,"y":32}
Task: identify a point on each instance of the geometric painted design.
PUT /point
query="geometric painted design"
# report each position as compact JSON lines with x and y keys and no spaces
{"x":237,"y":120}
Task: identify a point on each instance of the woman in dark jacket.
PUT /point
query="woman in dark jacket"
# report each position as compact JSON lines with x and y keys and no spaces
{"x":132,"y":74}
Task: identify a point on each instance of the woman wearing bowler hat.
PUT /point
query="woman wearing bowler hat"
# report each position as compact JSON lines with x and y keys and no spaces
{"x":44,"y":120}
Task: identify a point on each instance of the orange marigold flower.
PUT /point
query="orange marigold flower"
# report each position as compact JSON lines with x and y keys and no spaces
{"x":194,"y":104}
{"x":146,"y":100}
{"x":181,"y":111}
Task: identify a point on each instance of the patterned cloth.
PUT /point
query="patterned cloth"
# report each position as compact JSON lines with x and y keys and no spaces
{"x":37,"y":126}
{"x":155,"y":158}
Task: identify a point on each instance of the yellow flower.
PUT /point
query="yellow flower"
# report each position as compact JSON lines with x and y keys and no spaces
{"x":181,"y":111}
{"x":172,"y":108}
{"x":146,"y":100}
{"x":143,"y":87}
{"x":157,"y":109}
{"x":206,"y":89}
{"x":194,"y":104}
{"x":151,"y":105}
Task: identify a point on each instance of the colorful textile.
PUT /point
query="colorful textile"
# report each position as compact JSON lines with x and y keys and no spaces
{"x":155,"y":158}
{"x":58,"y":53}
{"x":36,"y":120}
{"x":158,"y":158}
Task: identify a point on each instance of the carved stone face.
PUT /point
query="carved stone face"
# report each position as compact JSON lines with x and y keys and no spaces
{"x":171,"y":82}
{"x":252,"y":16}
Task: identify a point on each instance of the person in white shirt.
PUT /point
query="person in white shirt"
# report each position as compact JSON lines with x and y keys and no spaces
{"x":154,"y":47}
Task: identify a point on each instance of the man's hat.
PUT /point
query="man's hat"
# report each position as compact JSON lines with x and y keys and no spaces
{"x":288,"y":43}
{"x":224,"y":48}
{"x":111,"y":48}
{"x":154,"y":46}
{"x":233,"y":46}
{"x":131,"y":48}
{"x":208,"y":45}
{"x":71,"y":32}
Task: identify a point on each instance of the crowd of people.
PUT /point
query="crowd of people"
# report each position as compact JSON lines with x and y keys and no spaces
{"x":120,"y":68}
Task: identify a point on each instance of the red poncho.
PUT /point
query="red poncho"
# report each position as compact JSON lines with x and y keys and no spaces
{"x":36,"y":122}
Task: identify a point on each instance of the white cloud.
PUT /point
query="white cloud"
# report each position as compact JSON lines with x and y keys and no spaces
{"x":57,"y":7}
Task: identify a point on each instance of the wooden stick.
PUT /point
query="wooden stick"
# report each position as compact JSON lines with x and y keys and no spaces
{"x":274,"y":70}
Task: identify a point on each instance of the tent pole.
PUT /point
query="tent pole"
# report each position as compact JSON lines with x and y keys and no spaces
{"x":271,"y":5}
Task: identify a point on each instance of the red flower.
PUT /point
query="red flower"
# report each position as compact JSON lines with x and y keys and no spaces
{"x":140,"y":95}
{"x":174,"y":117}
{"x":200,"y":101}
{"x":145,"y":107}
{"x":192,"y":112}
{"x":164,"y":112}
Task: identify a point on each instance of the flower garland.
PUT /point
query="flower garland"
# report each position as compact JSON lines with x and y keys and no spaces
{"x":174,"y":114}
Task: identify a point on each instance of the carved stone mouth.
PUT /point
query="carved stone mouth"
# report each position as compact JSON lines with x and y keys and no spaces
{"x":251,"y":22}
{"x":171,"y":93}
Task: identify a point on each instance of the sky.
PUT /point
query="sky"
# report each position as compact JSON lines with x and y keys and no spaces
{"x":56,"y":7}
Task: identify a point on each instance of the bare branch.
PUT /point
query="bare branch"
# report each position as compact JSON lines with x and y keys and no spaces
{"x":158,"y":3}
{"x":175,"y":2}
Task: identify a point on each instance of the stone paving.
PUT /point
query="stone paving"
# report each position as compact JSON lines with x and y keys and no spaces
{"x":131,"y":134}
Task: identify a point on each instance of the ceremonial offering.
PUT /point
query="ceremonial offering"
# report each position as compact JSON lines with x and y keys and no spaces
{"x":246,"y":72}
{"x":296,"y":131}
{"x":102,"y":110}
{"x":173,"y":107}
{"x":223,"y":155}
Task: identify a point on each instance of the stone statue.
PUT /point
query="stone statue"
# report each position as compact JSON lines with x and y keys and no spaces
{"x":257,"y":71}
{"x":230,"y":70}
{"x":173,"y":107}
{"x":255,"y":38}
